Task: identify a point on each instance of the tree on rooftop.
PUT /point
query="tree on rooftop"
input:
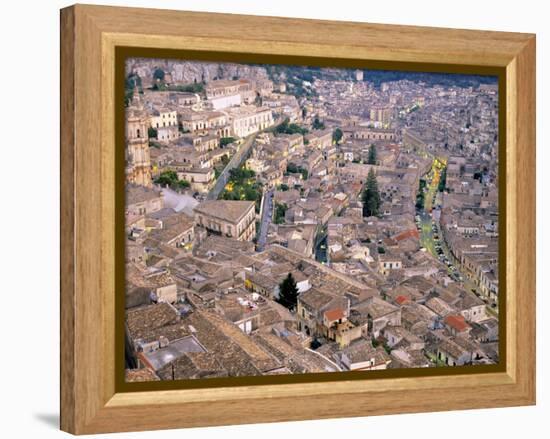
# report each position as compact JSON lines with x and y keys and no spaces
{"x":372,"y":155}
{"x":371,"y":196}
{"x":288,"y":292}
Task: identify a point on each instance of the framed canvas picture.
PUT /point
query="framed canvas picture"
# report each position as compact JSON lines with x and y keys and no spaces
{"x":257,"y":211}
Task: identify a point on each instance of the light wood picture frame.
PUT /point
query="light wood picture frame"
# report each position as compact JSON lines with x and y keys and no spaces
{"x":92,"y":399}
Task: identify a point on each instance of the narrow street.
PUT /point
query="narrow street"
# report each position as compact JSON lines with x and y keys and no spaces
{"x":424,"y":219}
{"x":426,"y":233}
{"x":431,"y":237}
{"x":267,"y":215}
{"x":321,"y":247}
{"x":236,"y":161}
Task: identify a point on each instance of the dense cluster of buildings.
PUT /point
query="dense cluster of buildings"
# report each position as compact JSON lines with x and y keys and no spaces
{"x":414,"y":286}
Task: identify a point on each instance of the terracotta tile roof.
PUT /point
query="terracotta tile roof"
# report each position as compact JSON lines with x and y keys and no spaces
{"x":456,"y":322}
{"x":412,"y":233}
{"x":401,"y":299}
{"x":334,"y":314}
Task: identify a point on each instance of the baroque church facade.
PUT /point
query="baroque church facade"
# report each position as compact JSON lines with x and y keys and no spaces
{"x":138,"y":161}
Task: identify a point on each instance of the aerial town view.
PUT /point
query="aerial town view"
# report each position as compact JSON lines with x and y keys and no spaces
{"x":290,"y":219}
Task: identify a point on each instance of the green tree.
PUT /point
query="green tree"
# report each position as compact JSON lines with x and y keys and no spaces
{"x":226,"y":141}
{"x":158,"y":74}
{"x":183,"y":184}
{"x":188,"y":88}
{"x":167,"y":178}
{"x":285,"y":127}
{"x":443,"y":180}
{"x":372,"y":155}
{"x":317,"y":124}
{"x":250,"y":193}
{"x":280,"y":211}
{"x":133,"y":80}
{"x":152,"y":132}
{"x":159,"y":86}
{"x":292,"y":168}
{"x":371,"y":196}
{"x":238,"y":175}
{"x":288,"y":292}
{"x":337,"y":135}
{"x":420,"y":200}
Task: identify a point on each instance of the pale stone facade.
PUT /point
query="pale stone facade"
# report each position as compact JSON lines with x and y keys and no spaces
{"x":249,"y":120}
{"x":233,"y":219}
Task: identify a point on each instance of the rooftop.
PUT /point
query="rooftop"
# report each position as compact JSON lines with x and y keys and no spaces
{"x":315,"y":299}
{"x":376,"y":307}
{"x":225,"y":210}
{"x":334,"y":314}
{"x":141,"y":321}
{"x":140,"y":375}
{"x":457,"y":322}
{"x":161,"y":357}
{"x":193,"y":365}
{"x":139,"y":194}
